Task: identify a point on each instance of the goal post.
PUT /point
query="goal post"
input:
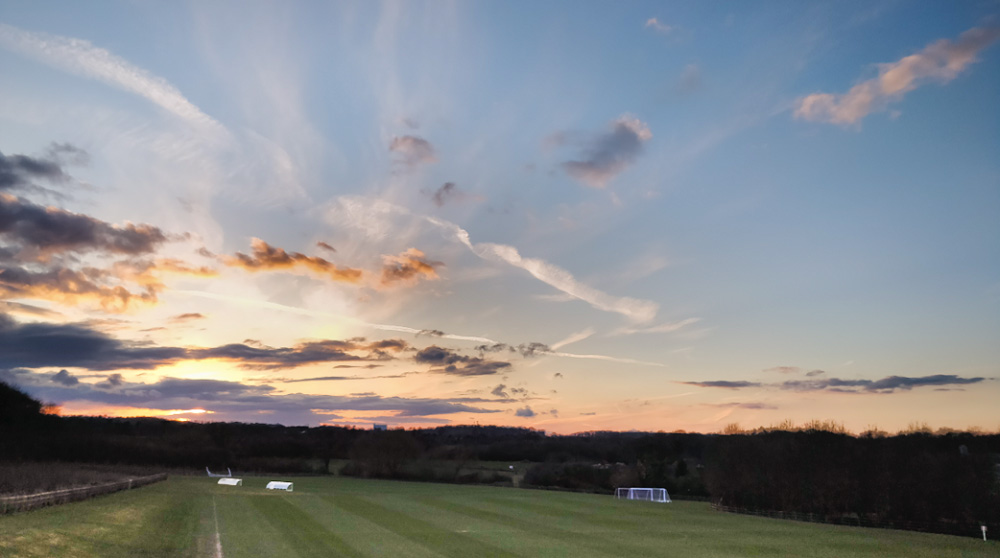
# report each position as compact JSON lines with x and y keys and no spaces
{"x":646,"y":494}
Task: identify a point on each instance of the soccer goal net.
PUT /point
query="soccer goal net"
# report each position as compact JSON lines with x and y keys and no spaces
{"x":647,"y":494}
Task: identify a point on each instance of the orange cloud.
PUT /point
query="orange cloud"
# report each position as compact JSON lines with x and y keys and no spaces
{"x":68,"y":286}
{"x":410,"y":266}
{"x":940,"y":61}
{"x":265,"y":257}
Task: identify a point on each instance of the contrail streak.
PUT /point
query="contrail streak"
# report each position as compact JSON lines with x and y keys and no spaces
{"x":82,"y":58}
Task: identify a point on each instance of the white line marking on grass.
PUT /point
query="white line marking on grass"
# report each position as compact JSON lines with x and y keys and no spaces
{"x":218,"y":539}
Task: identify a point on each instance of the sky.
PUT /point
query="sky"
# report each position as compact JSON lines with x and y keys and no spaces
{"x":569,"y":216}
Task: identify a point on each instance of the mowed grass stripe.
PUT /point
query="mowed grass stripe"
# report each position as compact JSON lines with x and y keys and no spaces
{"x":308,"y":537}
{"x":109,"y":526}
{"x":616,"y":546}
{"x":514,"y":541}
{"x":590,"y":514}
{"x":442,"y":541}
{"x":366,"y":536}
{"x":245,"y":532}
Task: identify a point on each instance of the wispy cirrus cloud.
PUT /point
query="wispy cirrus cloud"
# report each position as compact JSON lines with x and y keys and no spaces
{"x":941,"y":61}
{"x":81,"y":57}
{"x":573,"y":338}
{"x":635,"y":309}
{"x":374,"y":218}
{"x":662,"y":328}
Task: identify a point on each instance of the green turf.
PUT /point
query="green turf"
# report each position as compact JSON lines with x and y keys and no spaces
{"x":342,"y":516}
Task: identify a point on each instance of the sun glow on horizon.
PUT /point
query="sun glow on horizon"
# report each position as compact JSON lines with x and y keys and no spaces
{"x":72,"y":409}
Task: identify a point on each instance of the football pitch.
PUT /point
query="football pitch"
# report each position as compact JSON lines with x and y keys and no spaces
{"x":336,"y":516}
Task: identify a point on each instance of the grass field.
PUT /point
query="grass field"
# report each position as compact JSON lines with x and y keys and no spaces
{"x":357,"y":518}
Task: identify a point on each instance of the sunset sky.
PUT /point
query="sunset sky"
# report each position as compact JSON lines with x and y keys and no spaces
{"x":570,"y":216}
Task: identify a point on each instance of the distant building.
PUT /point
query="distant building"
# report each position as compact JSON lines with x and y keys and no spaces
{"x":380,"y":427}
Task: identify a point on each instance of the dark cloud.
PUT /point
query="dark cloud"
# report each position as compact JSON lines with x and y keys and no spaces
{"x":38,"y":256}
{"x":47,"y":230}
{"x":431,"y":332}
{"x":21,"y":171}
{"x":500,"y":391}
{"x":526,"y":350}
{"x":319,"y":379}
{"x":476,"y":367}
{"x":65,"y":378}
{"x":814,"y":373}
{"x":261,"y":357}
{"x":395,"y":345}
{"x":557,"y":375}
{"x":609,"y":154}
{"x":410,"y":266}
{"x":447,"y":191}
{"x":265,"y":257}
{"x":413,"y":150}
{"x":590,"y":414}
{"x":438,"y":356}
{"x":326,"y":246}
{"x":235,"y":401}
{"x":724,"y":384}
{"x":257,"y":358}
{"x":524,"y":412}
{"x":37,"y":345}
{"x":112,"y":381}
{"x":888,"y":384}
{"x":446,"y":361}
